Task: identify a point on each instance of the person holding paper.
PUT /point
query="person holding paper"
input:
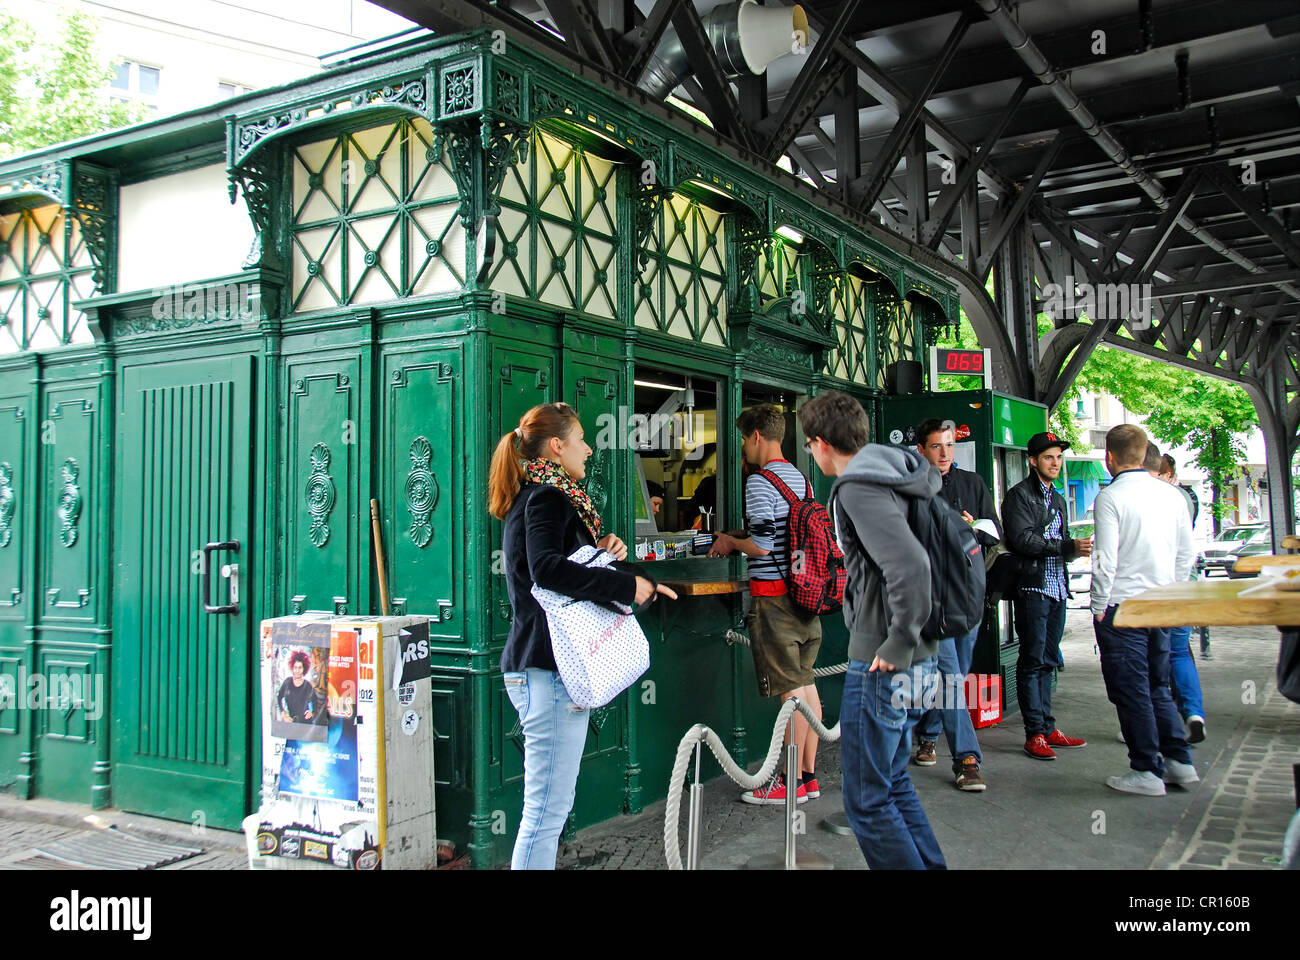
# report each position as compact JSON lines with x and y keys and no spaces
{"x":965,"y":491}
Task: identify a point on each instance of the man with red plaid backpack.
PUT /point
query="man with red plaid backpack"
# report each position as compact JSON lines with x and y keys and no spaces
{"x":784,"y":638}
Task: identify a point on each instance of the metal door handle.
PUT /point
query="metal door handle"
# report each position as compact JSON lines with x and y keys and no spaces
{"x":232,"y":571}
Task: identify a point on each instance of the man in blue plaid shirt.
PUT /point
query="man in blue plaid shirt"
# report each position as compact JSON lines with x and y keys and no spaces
{"x":1033,"y":515}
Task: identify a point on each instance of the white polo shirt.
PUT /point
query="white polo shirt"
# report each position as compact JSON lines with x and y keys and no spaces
{"x":1143,"y":538}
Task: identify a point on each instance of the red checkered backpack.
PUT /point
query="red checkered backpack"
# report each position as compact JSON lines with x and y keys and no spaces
{"x":816,"y":576}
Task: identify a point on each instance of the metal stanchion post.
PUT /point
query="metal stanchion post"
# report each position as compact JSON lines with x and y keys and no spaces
{"x":791,"y":797}
{"x":695,"y":814}
{"x":790,"y":859}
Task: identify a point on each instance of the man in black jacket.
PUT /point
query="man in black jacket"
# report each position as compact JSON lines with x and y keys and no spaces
{"x":936,"y":440}
{"x":1035,"y":518}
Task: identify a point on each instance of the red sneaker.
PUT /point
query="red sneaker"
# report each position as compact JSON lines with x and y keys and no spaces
{"x":1057,"y":739}
{"x":774,"y":793}
{"x":810,"y":787}
{"x":1036,"y":747}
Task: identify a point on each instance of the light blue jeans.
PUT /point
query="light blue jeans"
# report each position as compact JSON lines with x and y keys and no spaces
{"x":555,"y":731}
{"x":954,"y":661}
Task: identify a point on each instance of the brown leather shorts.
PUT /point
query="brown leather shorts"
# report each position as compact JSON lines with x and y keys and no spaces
{"x":784,"y":642}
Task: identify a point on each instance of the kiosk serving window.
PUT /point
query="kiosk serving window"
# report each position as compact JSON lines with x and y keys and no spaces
{"x":674,"y":433}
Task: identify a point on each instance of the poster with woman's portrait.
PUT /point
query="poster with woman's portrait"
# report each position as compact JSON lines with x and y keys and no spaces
{"x":299,"y":663}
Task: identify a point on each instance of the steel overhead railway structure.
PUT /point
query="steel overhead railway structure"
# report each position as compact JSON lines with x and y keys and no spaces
{"x":1114,"y":142}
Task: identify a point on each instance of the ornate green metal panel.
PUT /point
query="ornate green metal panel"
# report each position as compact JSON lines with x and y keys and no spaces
{"x":557,"y":230}
{"x":45,"y":265}
{"x":374,"y":217}
{"x":182,"y":683}
{"x":421,"y":485}
{"x":325,"y":514}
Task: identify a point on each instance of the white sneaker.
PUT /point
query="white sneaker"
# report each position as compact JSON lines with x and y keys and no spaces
{"x":1138,"y":781}
{"x":1120,"y":735}
{"x":1195,"y":729}
{"x":1180,"y":773}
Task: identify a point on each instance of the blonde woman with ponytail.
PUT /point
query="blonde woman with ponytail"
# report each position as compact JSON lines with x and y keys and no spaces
{"x":533,"y":487}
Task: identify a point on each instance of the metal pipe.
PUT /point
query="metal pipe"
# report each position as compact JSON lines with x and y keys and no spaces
{"x":791,"y":795}
{"x":1060,"y":87}
{"x":670,"y":65}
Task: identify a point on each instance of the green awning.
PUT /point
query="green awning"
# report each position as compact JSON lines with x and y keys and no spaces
{"x":1086,"y":470}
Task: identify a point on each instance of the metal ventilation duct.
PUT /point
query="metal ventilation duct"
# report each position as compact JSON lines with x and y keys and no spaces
{"x":744,"y":36}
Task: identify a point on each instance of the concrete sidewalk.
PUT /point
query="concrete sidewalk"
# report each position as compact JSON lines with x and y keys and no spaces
{"x":1034,"y":815}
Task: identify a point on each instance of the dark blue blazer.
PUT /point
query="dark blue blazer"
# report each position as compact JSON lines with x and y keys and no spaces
{"x":541,"y":530}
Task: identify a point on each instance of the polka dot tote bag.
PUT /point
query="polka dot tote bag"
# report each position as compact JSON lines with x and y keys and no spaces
{"x":599,"y":648}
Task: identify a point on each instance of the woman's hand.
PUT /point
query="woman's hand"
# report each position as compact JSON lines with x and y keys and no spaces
{"x":645,"y":590}
{"x":613,"y":545}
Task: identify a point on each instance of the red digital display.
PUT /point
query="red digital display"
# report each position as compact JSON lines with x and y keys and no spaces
{"x":962,"y":361}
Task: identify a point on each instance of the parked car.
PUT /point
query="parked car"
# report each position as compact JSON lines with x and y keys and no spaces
{"x":1079,"y":570}
{"x":1257,"y":545}
{"x":1214,"y":558}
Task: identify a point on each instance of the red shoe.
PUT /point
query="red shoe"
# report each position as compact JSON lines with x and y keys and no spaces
{"x":1036,"y":747}
{"x":1057,"y":739}
{"x":810,"y":787}
{"x":774,"y":793}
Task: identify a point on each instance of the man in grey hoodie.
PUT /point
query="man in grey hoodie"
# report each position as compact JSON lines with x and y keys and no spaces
{"x":892,"y":670}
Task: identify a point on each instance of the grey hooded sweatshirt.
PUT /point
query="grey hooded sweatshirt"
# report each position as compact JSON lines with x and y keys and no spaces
{"x":887,"y":599}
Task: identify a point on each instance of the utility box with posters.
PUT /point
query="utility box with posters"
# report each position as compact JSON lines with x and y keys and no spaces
{"x":347,"y":745}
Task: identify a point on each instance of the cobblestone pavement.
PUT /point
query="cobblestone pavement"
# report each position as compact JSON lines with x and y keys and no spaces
{"x":1044,"y":815}
{"x":27,"y":825}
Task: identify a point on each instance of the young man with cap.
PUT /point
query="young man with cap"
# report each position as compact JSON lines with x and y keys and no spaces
{"x":1144,"y":540}
{"x":936,"y":440}
{"x":1033,"y":515}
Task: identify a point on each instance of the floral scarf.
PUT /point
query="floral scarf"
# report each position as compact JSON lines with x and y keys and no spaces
{"x":544,"y":470}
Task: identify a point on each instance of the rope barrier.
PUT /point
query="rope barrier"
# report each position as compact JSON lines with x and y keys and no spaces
{"x":733,"y":638}
{"x":702,"y":734}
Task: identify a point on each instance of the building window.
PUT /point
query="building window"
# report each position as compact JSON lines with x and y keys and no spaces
{"x":136,"y":81}
{"x":228,"y":90}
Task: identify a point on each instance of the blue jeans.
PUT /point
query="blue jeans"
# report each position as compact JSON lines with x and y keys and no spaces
{"x":951,"y":714}
{"x":875,"y":742}
{"x":1135,"y":667}
{"x":1040,"y":621}
{"x":1186,"y":681}
{"x":555,"y":732}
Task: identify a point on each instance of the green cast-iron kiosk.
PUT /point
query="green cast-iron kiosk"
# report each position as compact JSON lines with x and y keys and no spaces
{"x":993,"y":432}
{"x":442,"y":236}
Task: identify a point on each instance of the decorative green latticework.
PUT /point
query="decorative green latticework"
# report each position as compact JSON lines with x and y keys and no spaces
{"x":851,"y":311}
{"x":781,"y":270}
{"x":374,"y":218}
{"x":557,"y":232}
{"x":682,"y":289}
{"x":895,"y":335}
{"x":45,"y":265}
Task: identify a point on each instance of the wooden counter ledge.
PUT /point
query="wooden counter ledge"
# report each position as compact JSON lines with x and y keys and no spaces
{"x":1210,"y":603}
{"x":706,"y":588}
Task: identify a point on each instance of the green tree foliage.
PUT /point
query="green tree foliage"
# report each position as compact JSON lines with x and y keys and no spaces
{"x":54,"y":87}
{"x":1205,"y":414}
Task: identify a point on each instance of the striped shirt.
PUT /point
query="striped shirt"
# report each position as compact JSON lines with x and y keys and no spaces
{"x":767,"y":517}
{"x":1053,"y":567}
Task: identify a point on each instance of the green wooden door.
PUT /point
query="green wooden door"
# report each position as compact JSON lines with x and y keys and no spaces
{"x":595,"y":388}
{"x":180,"y":675}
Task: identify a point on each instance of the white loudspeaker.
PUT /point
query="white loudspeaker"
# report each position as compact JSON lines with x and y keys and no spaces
{"x":767,"y":33}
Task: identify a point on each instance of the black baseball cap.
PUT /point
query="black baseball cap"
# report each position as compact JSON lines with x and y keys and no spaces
{"x":1043,"y":441}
